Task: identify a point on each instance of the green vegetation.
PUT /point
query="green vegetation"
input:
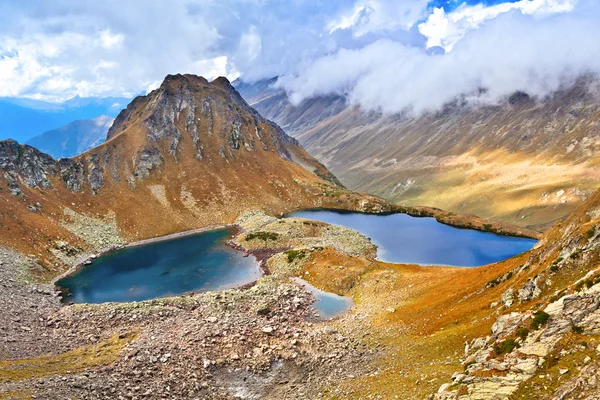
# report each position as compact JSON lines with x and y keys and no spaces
{"x":262,"y":236}
{"x":505,"y":347}
{"x":590,"y":232}
{"x":500,"y":279}
{"x":310,"y":223}
{"x":292,"y":255}
{"x":522,"y":333}
{"x":553,"y":268}
{"x":539,"y":318}
{"x":492,"y":283}
{"x":558,"y":295}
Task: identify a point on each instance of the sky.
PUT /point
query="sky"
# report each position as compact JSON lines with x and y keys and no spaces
{"x":386,"y":55}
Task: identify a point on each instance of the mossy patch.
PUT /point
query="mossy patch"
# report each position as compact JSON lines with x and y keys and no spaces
{"x":540,"y":318}
{"x":265,"y":236}
{"x":293,"y":255}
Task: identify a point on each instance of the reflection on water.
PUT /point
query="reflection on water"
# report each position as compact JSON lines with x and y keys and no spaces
{"x":404,"y":239}
{"x":195,"y":263}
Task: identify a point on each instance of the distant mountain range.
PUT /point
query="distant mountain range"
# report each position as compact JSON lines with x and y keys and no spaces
{"x":22,"y":119}
{"x":527,"y":161}
{"x":73,"y":138}
{"x":272,"y":103}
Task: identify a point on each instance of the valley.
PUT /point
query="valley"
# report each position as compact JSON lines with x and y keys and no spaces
{"x":300,"y":200}
{"x":193,"y":155}
{"x":528,"y":161}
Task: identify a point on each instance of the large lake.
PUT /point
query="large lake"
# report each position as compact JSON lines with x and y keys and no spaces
{"x":405,"y":239}
{"x":196,"y":263}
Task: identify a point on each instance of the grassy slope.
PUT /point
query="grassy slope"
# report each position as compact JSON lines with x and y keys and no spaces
{"x":420,"y":317}
{"x":507,"y":162}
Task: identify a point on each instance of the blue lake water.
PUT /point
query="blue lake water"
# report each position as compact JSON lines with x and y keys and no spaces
{"x":404,"y":239}
{"x":328,"y":305}
{"x":195,"y":263}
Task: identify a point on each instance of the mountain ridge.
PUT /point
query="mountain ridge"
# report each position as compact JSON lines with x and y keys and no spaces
{"x":73,"y":138}
{"x":526,"y":161}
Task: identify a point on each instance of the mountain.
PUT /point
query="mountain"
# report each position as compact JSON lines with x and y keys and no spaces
{"x":192,"y":153}
{"x":41,"y":116}
{"x":272,"y":102}
{"x":528,"y":161}
{"x":74,"y":138}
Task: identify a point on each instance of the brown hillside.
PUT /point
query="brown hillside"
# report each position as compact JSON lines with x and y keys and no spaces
{"x":190,"y":154}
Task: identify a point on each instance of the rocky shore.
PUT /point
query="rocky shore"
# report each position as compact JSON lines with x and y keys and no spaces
{"x":260,"y":341}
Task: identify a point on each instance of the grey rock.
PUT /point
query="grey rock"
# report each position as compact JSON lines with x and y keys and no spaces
{"x":149,"y":159}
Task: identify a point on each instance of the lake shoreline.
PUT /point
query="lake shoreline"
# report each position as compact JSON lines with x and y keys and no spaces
{"x":453,"y":219}
{"x":226,"y":234}
{"x":88,"y":259}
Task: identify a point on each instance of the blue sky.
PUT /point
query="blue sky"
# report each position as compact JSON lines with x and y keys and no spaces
{"x":378,"y":53}
{"x":450,"y":5}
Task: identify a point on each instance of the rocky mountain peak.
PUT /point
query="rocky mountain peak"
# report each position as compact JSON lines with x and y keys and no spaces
{"x":186,"y":125}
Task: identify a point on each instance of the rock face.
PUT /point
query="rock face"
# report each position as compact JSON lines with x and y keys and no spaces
{"x":544,"y":321}
{"x":27,"y":165}
{"x":177,"y":100}
{"x":494,"y":374}
{"x":273,"y":103}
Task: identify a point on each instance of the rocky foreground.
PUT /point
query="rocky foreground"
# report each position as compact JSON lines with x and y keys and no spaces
{"x":264,"y":341}
{"x":523,"y":328}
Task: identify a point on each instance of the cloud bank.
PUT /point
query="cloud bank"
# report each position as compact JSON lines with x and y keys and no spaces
{"x":386,"y":55}
{"x":513,"y":51}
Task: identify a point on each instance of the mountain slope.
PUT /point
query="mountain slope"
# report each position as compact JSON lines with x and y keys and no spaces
{"x":273,"y":103}
{"x":73,"y":138}
{"x":190,"y":154}
{"x":526,"y":161}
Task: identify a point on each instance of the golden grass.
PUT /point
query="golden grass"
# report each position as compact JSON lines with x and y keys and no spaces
{"x":417,"y":317}
{"x":515,"y":188}
{"x":80,"y":359}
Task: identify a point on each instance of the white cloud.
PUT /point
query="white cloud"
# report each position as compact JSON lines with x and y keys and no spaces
{"x":509,"y":53}
{"x":368,"y":16}
{"x":108,"y":40}
{"x":374,"y":51}
{"x":445,"y":29}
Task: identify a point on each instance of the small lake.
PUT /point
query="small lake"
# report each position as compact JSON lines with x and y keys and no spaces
{"x":404,"y":239}
{"x":328,"y":305}
{"x":195,"y":263}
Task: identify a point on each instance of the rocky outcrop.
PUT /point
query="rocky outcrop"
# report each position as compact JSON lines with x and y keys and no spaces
{"x":520,"y":342}
{"x":149,"y":159}
{"x":72,"y":174}
{"x":27,"y":165}
{"x":95,"y":176}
